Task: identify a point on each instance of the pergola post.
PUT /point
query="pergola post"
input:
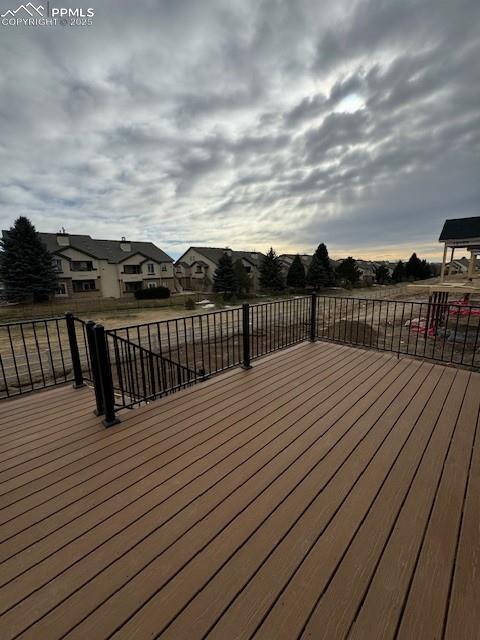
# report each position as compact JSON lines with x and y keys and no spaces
{"x":471,"y":264}
{"x":444,"y":261}
{"x":451,"y":261}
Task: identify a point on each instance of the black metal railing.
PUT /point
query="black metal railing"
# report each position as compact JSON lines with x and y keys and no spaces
{"x":144,"y":362}
{"x":35,"y":354}
{"x":140,"y":375}
{"x":435,"y":329}
{"x":77,"y":335}
{"x":279,"y":324}
{"x":212,"y":342}
{"x":132,"y":365}
{"x":209,"y":342}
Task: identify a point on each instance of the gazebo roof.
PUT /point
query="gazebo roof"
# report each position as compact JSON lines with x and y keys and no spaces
{"x":461,"y":229}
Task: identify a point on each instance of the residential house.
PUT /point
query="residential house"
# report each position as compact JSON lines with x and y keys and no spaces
{"x":286,"y":260}
{"x":457,"y":266}
{"x":367,"y":271}
{"x":87,"y":267}
{"x":195,"y":268}
{"x":367,"y":268}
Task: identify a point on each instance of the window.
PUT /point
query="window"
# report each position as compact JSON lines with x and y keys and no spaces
{"x":132,"y":268}
{"x":152,"y":285}
{"x":61,"y":289}
{"x":151,"y":267}
{"x":164,"y":267}
{"x":248,"y":269}
{"x":83,"y":285}
{"x":133,"y":286}
{"x":81,"y":265}
{"x":199,"y":269}
{"x":57,"y":265}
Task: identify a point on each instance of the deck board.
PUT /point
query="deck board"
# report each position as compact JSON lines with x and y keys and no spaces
{"x":425,"y":606}
{"x":381,"y":609}
{"x":305,"y":497}
{"x":465,"y":589}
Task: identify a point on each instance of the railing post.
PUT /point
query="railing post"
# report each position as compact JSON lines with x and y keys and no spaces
{"x":313,"y":317}
{"x":74,"y":352}
{"x":97,"y":383}
{"x":105,"y":374}
{"x":246,"y":336}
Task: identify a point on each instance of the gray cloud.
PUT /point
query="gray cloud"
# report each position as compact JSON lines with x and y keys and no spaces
{"x":246,"y":123}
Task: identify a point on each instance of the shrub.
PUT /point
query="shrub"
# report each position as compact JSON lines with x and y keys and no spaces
{"x":230,"y":299}
{"x":189,"y":304}
{"x":153,"y":293}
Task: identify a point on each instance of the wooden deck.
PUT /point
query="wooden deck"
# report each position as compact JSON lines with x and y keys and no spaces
{"x":328,"y":492}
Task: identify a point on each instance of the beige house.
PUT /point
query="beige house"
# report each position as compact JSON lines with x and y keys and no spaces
{"x":195,"y":268}
{"x":106,"y":268}
{"x":457,"y":266}
{"x":286,"y":260}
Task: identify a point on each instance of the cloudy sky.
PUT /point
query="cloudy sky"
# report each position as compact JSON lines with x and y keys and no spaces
{"x":246,"y":123}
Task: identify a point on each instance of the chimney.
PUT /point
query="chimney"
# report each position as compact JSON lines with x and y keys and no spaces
{"x":125,"y":245}
{"x":63,"y":239}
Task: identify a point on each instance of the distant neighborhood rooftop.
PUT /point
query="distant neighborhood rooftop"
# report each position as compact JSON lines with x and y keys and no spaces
{"x":112,"y":250}
{"x":460,"y":229}
{"x":215,"y":253}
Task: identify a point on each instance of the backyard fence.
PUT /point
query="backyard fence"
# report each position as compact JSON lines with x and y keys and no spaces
{"x":132,"y":365}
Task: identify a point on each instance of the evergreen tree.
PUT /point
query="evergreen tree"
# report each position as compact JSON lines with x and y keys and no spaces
{"x":26,"y":266}
{"x":271,"y":276}
{"x":413,"y":269}
{"x":224,"y":280}
{"x":399,"y":274}
{"x":296,"y":274}
{"x":316,"y":274}
{"x":382,"y":275}
{"x":322,"y":255}
{"x":348,"y":271}
{"x":425,"y":270}
{"x":242,"y":278}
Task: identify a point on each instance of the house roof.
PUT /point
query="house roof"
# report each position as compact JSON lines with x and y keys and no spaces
{"x":104,"y":249}
{"x":463,"y":262}
{"x":215,"y":253}
{"x":254,"y":257}
{"x":288,"y":258}
{"x":460,"y":229}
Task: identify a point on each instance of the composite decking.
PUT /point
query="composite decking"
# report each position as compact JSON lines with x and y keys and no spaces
{"x":328,"y":492}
